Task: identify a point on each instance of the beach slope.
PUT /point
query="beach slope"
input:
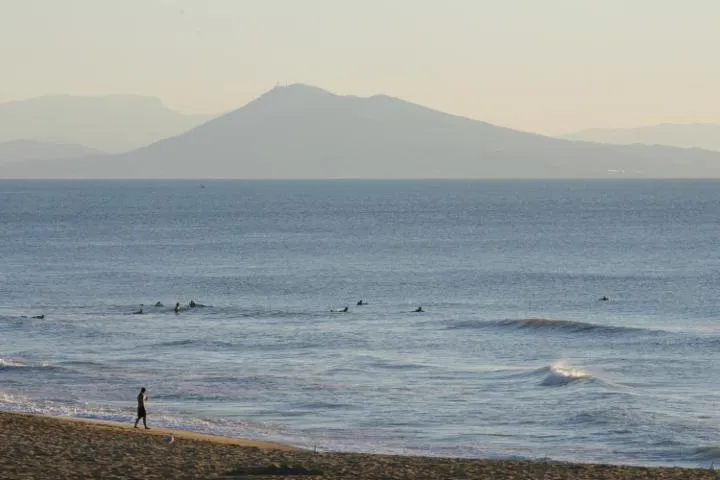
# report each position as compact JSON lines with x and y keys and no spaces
{"x":37,"y":447}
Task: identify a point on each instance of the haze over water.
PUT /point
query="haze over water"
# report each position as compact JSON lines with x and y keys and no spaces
{"x":514,"y":356}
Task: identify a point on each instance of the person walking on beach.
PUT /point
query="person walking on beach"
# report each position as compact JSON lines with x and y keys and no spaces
{"x":141,"y":412}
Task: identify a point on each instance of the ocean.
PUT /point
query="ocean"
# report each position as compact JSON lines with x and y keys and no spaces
{"x":514,"y":356}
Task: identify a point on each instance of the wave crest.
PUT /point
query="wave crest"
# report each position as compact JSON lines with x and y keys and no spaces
{"x":10,"y":363}
{"x":548,"y":324}
{"x":559,"y":375}
{"x":195,"y":342}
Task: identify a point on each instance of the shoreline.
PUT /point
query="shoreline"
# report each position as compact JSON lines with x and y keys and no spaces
{"x":39,"y":447}
{"x":179,"y":434}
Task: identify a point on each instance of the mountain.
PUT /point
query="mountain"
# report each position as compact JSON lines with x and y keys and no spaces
{"x":18,"y":150}
{"x":114,"y":123}
{"x":699,"y":135}
{"x":305,"y":132}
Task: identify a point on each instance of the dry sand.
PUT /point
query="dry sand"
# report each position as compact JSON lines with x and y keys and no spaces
{"x":36,"y":447}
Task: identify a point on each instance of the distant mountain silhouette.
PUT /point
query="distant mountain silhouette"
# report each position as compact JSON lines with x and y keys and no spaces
{"x":699,"y":135}
{"x":305,"y":132}
{"x":18,"y":150}
{"x":114,"y":123}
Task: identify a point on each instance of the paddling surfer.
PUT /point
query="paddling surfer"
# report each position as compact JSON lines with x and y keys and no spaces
{"x":141,"y":412}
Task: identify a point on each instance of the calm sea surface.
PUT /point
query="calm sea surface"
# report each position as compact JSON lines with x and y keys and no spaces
{"x":514,"y":356}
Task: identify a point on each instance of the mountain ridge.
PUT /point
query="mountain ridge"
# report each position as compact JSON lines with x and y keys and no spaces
{"x":110,"y":123}
{"x":305,"y":132}
{"x":691,"y":135}
{"x":27,"y":149}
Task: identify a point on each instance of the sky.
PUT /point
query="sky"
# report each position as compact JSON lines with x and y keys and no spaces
{"x":546,"y":66}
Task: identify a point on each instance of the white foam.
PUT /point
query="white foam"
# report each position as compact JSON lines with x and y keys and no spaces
{"x":9,"y":398}
{"x":559,"y":374}
{"x":11,"y":363}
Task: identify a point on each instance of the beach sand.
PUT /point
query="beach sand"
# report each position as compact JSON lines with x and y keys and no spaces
{"x":37,"y":447}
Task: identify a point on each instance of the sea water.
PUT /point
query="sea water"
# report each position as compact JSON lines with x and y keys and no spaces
{"x":514,"y":356}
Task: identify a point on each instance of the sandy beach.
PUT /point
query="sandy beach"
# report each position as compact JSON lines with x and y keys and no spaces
{"x":37,"y":447}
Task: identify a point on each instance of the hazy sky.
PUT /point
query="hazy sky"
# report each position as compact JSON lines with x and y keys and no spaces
{"x":549,"y":66}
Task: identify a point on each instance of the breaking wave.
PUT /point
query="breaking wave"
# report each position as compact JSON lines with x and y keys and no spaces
{"x":546,"y":324}
{"x":556,"y":374}
{"x":559,"y":375}
{"x":9,"y":363}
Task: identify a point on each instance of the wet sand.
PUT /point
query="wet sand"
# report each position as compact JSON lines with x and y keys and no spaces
{"x":37,"y":447}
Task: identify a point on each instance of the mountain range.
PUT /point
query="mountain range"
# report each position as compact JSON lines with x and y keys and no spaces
{"x":305,"y":132}
{"x":19,"y":150}
{"x":698,"y":135}
{"x":113,"y":123}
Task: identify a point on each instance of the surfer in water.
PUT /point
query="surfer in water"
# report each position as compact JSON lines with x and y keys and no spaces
{"x":141,"y":412}
{"x":418,"y":309}
{"x":360,"y":302}
{"x":604,"y":299}
{"x":177,"y":307}
{"x":158,"y":304}
{"x":139,"y":312}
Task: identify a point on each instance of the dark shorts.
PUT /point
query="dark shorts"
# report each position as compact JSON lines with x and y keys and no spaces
{"x":141,"y":412}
